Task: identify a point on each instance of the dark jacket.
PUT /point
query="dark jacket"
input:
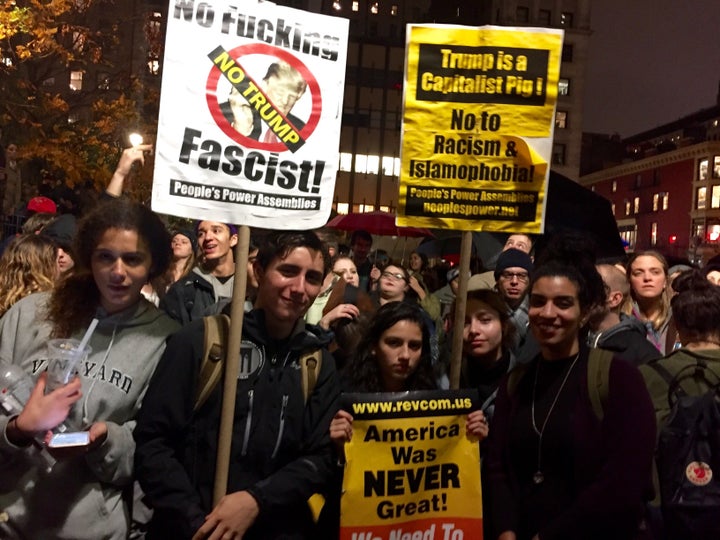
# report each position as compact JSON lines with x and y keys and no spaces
{"x":628,"y":340}
{"x":281,"y":450}
{"x":191,"y":298}
{"x":611,"y":459}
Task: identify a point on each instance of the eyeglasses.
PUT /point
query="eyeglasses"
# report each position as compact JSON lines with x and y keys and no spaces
{"x":398,"y":277}
{"x":521,"y":276}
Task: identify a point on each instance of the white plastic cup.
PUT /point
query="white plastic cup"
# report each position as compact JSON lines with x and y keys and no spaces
{"x":64,"y":357}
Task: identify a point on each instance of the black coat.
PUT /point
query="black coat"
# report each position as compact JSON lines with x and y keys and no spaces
{"x":281,"y":450}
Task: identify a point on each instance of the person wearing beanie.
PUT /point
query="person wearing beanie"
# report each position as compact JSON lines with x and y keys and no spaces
{"x":209,"y":285}
{"x":62,"y":232}
{"x":512,"y":280}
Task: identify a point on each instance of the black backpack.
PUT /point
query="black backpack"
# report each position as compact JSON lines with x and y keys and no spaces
{"x":688,"y":456}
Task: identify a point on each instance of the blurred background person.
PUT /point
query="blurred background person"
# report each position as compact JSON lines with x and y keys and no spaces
{"x":613,"y":330}
{"x":62,"y":231}
{"x":647,"y":273}
{"x":28,"y":265}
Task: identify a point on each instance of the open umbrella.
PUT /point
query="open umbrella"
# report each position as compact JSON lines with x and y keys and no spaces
{"x":379,"y":223}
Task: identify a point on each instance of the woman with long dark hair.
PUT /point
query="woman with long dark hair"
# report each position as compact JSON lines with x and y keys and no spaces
{"x":119,"y":246}
{"x":558,"y":467}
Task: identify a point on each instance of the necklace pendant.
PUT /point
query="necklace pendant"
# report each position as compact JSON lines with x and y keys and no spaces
{"x":538,"y":478}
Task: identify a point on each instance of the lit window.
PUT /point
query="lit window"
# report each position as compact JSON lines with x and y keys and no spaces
{"x":360,"y":163}
{"x":612,"y":207}
{"x":636,"y":205}
{"x":337,"y":6}
{"x":394,"y":10}
{"x":665,"y":200}
{"x":78,"y":43}
{"x":103,"y":81}
{"x":373,"y":164}
{"x":374,"y":8}
{"x":566,"y":19}
{"x":397,"y":167}
{"x":153,"y":65}
{"x":715,"y":197}
{"x":544,"y":17}
{"x":558,"y":154}
{"x":701,"y":198}
{"x":703,"y":169}
{"x":342,"y":208}
{"x":614,"y":186}
{"x":713,"y":233}
{"x":627,"y":208}
{"x":561,"y":119}
{"x":653,"y":234}
{"x":384,"y":208}
{"x":656,"y":202}
{"x":6,"y":59}
{"x":387,"y":165}
{"x":356,"y":6}
{"x":564,"y":87}
{"x":76,"y":79}
{"x":716,"y":167}
{"x":345,"y":161}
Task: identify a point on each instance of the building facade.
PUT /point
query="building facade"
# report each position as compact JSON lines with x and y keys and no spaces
{"x":372,"y":116}
{"x":666,"y":194}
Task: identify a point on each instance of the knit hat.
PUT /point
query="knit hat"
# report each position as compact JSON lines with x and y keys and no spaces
{"x":190,"y":235}
{"x":62,"y":231}
{"x":41,"y":205}
{"x":513,"y":258}
{"x":453,"y":273}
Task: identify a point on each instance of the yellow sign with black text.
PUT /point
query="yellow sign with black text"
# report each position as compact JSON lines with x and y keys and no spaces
{"x":411,"y":472}
{"x":479,"y":108}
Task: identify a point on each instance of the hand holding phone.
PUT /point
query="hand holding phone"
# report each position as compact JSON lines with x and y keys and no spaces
{"x":69,"y":439}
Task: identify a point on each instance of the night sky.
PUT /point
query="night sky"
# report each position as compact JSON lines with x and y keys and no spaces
{"x":650,"y":62}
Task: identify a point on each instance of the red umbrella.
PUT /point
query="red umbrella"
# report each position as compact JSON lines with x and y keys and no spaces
{"x":379,"y":223}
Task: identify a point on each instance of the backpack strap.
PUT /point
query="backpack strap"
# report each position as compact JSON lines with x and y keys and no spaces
{"x":598,"y":375}
{"x":217,"y":328}
{"x":514,"y":378}
{"x":310,"y":364}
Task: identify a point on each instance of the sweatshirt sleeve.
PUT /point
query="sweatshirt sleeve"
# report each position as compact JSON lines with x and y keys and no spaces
{"x":620,"y":485}
{"x":159,"y":433}
{"x":313,"y":470}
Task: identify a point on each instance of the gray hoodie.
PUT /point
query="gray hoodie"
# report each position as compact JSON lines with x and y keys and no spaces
{"x":80,"y":498}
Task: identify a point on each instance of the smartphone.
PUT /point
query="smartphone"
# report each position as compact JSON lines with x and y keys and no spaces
{"x":66,"y":440}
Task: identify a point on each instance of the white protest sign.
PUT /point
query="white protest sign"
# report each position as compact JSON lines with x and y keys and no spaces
{"x":250,"y":114}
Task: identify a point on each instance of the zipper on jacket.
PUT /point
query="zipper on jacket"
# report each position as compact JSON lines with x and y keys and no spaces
{"x":248,"y":422}
{"x":281,"y":429}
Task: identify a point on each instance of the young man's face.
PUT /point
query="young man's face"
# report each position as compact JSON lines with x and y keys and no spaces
{"x":215,"y":239}
{"x":518,"y":241}
{"x":289,"y":285}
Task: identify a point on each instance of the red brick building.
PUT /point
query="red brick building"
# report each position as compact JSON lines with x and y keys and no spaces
{"x":666,"y":194}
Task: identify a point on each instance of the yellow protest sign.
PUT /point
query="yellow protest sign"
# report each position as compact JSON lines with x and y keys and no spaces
{"x":479,"y":105}
{"x":412,"y":472}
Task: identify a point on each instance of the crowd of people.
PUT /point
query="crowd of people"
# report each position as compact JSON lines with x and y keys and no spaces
{"x":573,"y":360}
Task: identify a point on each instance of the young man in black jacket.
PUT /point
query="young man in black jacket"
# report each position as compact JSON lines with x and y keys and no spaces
{"x":212,"y":279}
{"x":281,"y":452}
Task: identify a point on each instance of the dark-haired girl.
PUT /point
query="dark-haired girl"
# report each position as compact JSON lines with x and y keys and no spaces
{"x":119,"y":246}
{"x":557,"y":469}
